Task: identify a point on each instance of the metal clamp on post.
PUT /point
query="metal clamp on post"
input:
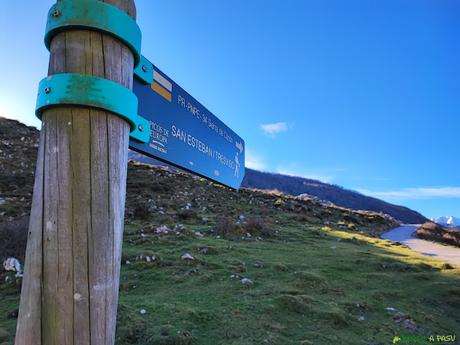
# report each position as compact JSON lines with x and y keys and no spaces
{"x":85,"y":90}
{"x":97,"y":16}
{"x":144,"y":71}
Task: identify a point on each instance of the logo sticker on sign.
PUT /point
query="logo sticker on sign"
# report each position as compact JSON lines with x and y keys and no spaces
{"x":185,"y":134}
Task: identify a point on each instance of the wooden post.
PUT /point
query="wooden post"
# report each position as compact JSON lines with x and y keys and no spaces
{"x":72,"y":268}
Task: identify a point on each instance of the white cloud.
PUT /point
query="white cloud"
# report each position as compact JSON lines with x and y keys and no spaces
{"x":304,"y":174}
{"x":415,"y":193}
{"x":254,"y":161}
{"x":272,"y":129}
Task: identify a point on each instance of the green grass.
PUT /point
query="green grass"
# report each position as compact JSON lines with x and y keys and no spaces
{"x":304,"y":290}
{"x":311,"y":286}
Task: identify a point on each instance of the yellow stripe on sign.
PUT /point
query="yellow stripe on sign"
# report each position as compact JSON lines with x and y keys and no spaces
{"x":161,"y":91}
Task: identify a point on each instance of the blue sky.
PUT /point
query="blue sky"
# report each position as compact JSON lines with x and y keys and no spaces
{"x":363,"y":94}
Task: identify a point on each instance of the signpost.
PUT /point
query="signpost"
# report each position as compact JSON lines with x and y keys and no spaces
{"x":182,"y":132}
{"x":90,"y":115}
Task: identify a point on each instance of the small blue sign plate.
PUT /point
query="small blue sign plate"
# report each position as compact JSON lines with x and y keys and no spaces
{"x":186,"y":134}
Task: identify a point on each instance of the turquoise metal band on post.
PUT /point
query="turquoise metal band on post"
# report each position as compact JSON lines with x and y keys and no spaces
{"x":94,"y":15}
{"x":84,"y":90}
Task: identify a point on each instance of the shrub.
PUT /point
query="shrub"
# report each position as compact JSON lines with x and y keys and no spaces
{"x":226,"y":227}
{"x":185,"y":215}
{"x":256,"y":226}
{"x":13,"y":239}
{"x":141,"y":212}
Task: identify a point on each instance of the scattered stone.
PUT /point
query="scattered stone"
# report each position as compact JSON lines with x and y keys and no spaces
{"x":279,"y":202}
{"x":399,"y":317}
{"x":179,"y":227}
{"x":142,"y":311}
{"x":333,"y":247}
{"x":13,"y":264}
{"x":306,"y":342}
{"x":391,"y":309}
{"x":361,"y":318}
{"x":187,"y":256}
{"x":141,"y":257}
{"x":163,"y":229}
{"x":409,"y":324}
{"x":405,"y":321}
{"x":204,"y":250}
{"x":247,"y":281}
{"x":241,"y":217}
{"x":199,"y":234}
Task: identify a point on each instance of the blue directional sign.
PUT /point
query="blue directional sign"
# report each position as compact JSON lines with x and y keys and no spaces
{"x":184,"y":133}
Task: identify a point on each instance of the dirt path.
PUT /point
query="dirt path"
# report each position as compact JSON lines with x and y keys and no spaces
{"x":403,"y":235}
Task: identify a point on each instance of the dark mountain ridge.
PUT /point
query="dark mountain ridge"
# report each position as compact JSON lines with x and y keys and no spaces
{"x":335,"y":194}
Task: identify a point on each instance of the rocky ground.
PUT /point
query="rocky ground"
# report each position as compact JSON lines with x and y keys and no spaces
{"x":437,"y":233}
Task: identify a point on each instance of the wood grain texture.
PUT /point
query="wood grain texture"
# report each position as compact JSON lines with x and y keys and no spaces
{"x":72,"y":269}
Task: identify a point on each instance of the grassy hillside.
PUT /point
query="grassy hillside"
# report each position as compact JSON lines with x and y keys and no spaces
{"x":324,"y":191}
{"x":310,"y":283}
{"x":266,"y":268}
{"x":332,"y":193}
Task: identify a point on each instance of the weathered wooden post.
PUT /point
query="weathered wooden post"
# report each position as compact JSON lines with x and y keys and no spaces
{"x":72,"y":268}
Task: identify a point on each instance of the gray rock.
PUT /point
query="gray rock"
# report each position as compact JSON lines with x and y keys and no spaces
{"x":247,"y":281}
{"x":187,"y":256}
{"x":13,"y":264}
{"x":163,"y":229}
